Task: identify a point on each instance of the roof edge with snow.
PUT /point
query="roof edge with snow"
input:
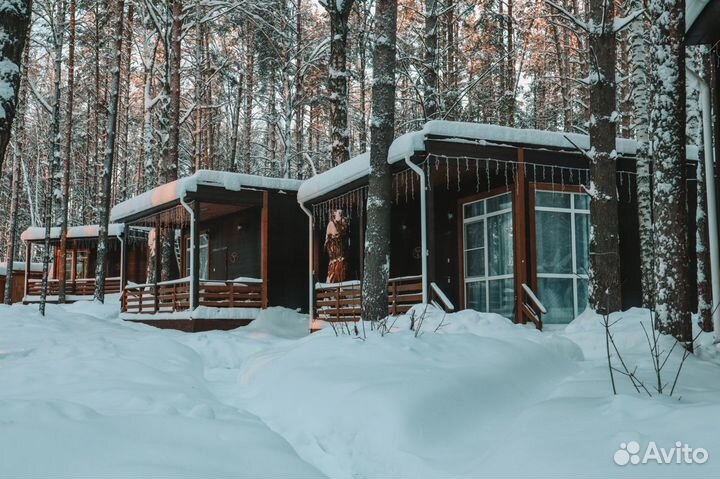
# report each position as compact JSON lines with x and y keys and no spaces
{"x":172,"y":192}
{"x":414,"y":143}
{"x":37,"y":233}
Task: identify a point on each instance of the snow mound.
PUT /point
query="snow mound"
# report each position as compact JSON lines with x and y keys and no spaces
{"x":279,"y":322}
{"x":400,"y":405}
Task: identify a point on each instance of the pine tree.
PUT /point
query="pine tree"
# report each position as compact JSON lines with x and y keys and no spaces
{"x":339,"y":11}
{"x":377,"y":237}
{"x":14,"y":22}
{"x":667,"y":80}
{"x":105,"y":184}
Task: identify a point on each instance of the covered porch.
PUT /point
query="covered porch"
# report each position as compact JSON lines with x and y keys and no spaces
{"x":80,"y":261}
{"x":209,"y":241}
{"x":489,"y":218}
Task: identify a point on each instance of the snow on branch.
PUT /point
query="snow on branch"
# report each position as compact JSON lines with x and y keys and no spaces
{"x":565,"y":13}
{"x":621,"y":22}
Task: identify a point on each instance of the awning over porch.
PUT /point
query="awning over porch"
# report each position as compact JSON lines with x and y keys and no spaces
{"x":481,"y":134}
{"x":173,"y":193}
{"x":37,"y":233}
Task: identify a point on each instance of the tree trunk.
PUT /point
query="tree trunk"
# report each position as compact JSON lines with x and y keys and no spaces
{"x":236,"y":124}
{"x":377,"y":237}
{"x":452,"y":107}
{"x":640,"y":97}
{"x":18,"y":153}
{"x":105,"y":181}
{"x":339,"y":11}
{"x":667,"y":78}
{"x":249,"y":91}
{"x":14,"y":31}
{"x":698,"y":61}
{"x":604,"y":238}
{"x":54,"y":159}
{"x":67,"y":151}
{"x":430,"y":67}
{"x":174,"y":62}
{"x":299,"y":91}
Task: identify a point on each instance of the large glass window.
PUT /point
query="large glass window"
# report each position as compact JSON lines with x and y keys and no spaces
{"x":488,"y":255}
{"x":562,"y":237}
{"x":204,"y":251}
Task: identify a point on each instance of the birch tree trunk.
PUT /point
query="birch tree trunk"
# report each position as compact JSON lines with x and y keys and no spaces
{"x":14,"y":22}
{"x":105,"y":182}
{"x":67,"y":151}
{"x":640,"y":97}
{"x":604,"y":237}
{"x":376,"y":270}
{"x":667,"y":78}
{"x":51,"y":191}
{"x":339,"y":11}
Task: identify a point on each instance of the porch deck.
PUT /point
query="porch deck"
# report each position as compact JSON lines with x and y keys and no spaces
{"x":172,"y":298}
{"x":340,"y":302}
{"x":75,"y":290}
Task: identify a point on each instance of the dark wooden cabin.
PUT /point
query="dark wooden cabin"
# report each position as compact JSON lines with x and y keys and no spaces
{"x":506,"y":216}
{"x":18,"y":279}
{"x":80,"y":261}
{"x":239,"y":246}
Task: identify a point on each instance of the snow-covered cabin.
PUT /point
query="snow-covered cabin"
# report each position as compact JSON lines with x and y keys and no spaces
{"x":80,"y":261}
{"x":34,"y":271}
{"x":238,"y":245}
{"x":506,"y":222}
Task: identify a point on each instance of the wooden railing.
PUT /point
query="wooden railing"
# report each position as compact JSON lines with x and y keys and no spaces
{"x":78,"y":287}
{"x":531,"y":307}
{"x":339,"y":302}
{"x":174,"y":296}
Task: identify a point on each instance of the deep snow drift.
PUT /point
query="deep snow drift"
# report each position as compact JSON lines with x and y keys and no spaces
{"x":85,"y":394}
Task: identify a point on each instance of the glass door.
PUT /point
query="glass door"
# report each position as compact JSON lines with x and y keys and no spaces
{"x":562,"y":227}
{"x":488,"y":255}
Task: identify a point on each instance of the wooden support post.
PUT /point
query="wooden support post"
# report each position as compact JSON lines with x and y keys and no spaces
{"x":123,"y":258}
{"x":430,"y":227}
{"x":28,"y":260}
{"x":520,"y":233}
{"x":264,"y":220}
{"x":195,"y":266}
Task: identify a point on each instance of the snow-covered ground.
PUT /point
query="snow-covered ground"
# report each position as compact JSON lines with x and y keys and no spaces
{"x":83,"y":394}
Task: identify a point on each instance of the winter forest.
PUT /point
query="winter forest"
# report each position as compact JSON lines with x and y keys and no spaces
{"x":406,"y":236}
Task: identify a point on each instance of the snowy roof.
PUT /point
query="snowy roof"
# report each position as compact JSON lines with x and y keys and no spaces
{"x":173,"y":191}
{"x":413,"y":143}
{"x":693,"y":9}
{"x":20,"y":266}
{"x":37,"y":233}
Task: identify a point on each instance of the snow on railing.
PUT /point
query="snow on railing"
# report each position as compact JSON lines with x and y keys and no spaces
{"x":534,"y":298}
{"x":447,"y":304}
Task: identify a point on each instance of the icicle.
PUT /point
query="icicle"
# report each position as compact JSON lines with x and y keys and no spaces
{"x":571,"y":175}
{"x":552,"y":176}
{"x":487,"y":173}
{"x":457,"y":164}
{"x":467,"y":164}
{"x":437,"y":163}
{"x":477,"y":176}
{"x":629,"y":182}
{"x":534,"y":172}
{"x":507,"y":180}
{"x":447,"y":173}
{"x":406,"y":188}
{"x":412,"y":185}
{"x":562,"y":178}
